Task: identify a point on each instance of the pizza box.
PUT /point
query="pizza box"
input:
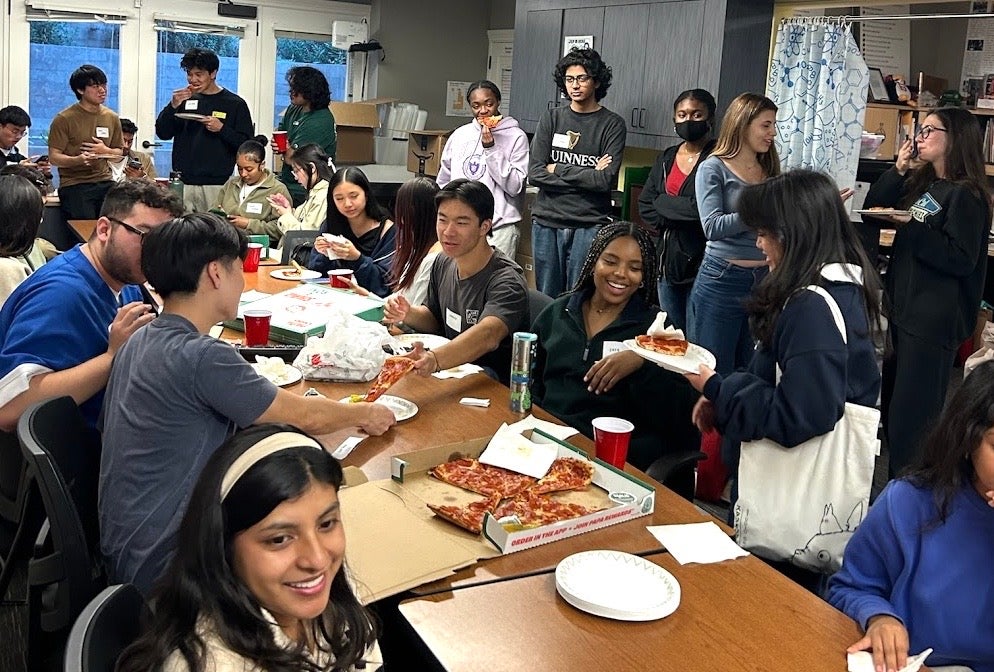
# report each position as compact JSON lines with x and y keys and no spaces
{"x":304,"y":310}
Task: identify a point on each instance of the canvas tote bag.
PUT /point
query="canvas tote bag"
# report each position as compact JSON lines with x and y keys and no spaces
{"x":802,"y":504}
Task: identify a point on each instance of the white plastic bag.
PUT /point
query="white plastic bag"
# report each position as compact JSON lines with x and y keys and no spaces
{"x":350,"y":350}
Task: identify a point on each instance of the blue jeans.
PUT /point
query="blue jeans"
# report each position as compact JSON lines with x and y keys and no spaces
{"x":716,"y":316}
{"x":673,"y":299}
{"x":559,"y":256}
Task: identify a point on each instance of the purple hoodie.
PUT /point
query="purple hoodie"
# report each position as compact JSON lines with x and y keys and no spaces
{"x":503,"y":167}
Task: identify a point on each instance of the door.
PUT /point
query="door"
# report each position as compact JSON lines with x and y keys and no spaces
{"x":534,"y":91}
{"x":624,"y":49}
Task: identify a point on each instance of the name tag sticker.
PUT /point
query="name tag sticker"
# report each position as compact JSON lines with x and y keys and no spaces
{"x":611,"y":347}
{"x":453,"y":321}
{"x":217,"y":114}
{"x":191,"y":104}
{"x":560,"y":140}
{"x":103,"y":132}
{"x":253,"y":208}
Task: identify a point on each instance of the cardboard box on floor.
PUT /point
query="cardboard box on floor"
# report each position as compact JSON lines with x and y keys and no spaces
{"x":355,"y":124}
{"x":424,"y":151}
{"x":396,"y":543}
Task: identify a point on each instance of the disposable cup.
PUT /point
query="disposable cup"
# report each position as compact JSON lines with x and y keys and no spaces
{"x":279,"y":137}
{"x":611,"y":437}
{"x":262,"y":239}
{"x":257,"y":327}
{"x":251,"y":263}
{"x":340,"y":278}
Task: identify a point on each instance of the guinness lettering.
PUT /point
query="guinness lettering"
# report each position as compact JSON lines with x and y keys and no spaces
{"x":584,"y":160}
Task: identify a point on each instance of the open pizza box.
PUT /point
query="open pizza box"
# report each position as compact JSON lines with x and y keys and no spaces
{"x":401,"y":544}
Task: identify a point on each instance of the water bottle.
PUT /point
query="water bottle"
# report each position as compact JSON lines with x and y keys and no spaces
{"x":176,"y":183}
{"x":522,"y":356}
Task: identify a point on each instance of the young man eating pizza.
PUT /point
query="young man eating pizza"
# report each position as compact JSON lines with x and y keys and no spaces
{"x":476,"y":295}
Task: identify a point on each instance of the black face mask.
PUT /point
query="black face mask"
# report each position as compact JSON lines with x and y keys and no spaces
{"x":692,"y":131}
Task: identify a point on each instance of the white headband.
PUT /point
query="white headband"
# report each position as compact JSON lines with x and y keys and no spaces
{"x":273,"y":443}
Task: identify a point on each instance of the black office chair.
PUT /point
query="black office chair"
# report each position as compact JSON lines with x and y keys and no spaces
{"x":109,"y":623}
{"x":63,"y":458}
{"x":537,"y":301}
{"x":21,"y":513}
{"x":676,"y":471}
{"x":293,"y":239}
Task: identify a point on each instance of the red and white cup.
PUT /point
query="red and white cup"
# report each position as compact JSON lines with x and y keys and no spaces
{"x":611,"y":438}
{"x":280,"y":138}
{"x":340,"y":278}
{"x":252,"y":258}
{"x":257,"y":327}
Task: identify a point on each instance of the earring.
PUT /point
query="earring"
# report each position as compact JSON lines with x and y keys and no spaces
{"x":642,"y":284}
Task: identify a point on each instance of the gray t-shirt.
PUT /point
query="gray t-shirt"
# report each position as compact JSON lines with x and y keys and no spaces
{"x":173,"y":397}
{"x":498,"y":289}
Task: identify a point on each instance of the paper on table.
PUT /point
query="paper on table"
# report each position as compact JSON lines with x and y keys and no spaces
{"x":561,"y":432}
{"x":474,"y":401}
{"x":347,"y":446}
{"x":862,"y":661}
{"x":702,"y":543}
{"x":460,"y":371}
{"x":252,"y":295}
{"x":511,"y":450}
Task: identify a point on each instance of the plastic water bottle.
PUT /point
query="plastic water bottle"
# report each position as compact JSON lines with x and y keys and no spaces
{"x":176,"y":183}
{"x":522,"y":357}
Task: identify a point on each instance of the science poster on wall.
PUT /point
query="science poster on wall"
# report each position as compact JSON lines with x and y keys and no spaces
{"x":978,"y":52}
{"x":887,"y":44}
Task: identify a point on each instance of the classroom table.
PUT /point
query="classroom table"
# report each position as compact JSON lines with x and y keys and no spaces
{"x":734,"y":615}
{"x":82,"y":228}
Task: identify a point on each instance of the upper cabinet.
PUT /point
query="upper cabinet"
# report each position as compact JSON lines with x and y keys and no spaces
{"x":655,"y":50}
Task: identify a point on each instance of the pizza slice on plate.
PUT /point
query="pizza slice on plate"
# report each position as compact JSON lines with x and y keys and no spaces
{"x":473,"y":475}
{"x":393,"y":370}
{"x":535,"y":510}
{"x":469,"y":517}
{"x":676,"y":347}
{"x":566,"y":473}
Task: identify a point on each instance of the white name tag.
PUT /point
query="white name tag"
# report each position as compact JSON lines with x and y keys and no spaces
{"x":611,"y":347}
{"x":103,"y":132}
{"x":560,"y":140}
{"x":253,"y":208}
{"x":191,"y":104}
{"x":453,"y":320}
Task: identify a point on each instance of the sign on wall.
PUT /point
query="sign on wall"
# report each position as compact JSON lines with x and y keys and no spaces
{"x":578,"y":42}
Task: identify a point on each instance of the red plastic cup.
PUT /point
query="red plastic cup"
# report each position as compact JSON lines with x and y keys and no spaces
{"x":340,"y":278}
{"x":280,"y":138}
{"x":257,"y":327}
{"x":611,"y":437}
{"x":252,"y":259}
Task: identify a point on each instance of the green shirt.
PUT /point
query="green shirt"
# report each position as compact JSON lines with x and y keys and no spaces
{"x":302,"y":127}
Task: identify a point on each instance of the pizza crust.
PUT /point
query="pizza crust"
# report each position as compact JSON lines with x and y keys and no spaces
{"x":666,"y":346}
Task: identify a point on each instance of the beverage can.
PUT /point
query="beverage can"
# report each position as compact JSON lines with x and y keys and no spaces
{"x":523,"y":346}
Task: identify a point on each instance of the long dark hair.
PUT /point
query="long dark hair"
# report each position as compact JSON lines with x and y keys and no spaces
{"x":201,"y":582}
{"x":803,"y":211}
{"x":964,"y":159}
{"x":740,"y":113}
{"x":414,"y":217}
{"x":21,"y":210}
{"x":337,"y":222}
{"x":609,"y":232}
{"x":945,"y":464}
{"x":310,"y":156}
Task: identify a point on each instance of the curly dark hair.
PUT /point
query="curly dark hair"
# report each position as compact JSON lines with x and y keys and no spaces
{"x":201,"y":59}
{"x":311,"y":84}
{"x":590,"y":61}
{"x":608,"y":233}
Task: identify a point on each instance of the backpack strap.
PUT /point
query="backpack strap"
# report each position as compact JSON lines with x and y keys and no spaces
{"x":840,"y":322}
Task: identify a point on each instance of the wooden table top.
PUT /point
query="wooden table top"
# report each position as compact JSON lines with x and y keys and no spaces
{"x":83,"y":228}
{"x":735,"y":615}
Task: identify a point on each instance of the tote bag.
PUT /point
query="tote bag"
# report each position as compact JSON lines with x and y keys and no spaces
{"x":802,"y":504}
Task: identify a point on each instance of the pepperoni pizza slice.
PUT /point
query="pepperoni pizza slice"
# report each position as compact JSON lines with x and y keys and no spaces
{"x":469,"y":517}
{"x":665,"y":346}
{"x":473,"y":475}
{"x":566,"y":473}
{"x":492,"y":121}
{"x":534,"y":510}
{"x":393,"y":370}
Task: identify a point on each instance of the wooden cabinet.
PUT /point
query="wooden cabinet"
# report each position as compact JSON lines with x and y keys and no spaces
{"x":656,"y":49}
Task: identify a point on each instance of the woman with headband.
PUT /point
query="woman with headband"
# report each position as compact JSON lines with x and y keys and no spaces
{"x":258,"y":580}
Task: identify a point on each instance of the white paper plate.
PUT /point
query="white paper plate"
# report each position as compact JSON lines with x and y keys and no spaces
{"x":191,"y":116}
{"x":402,"y":408}
{"x":688,"y":363}
{"x":887,"y":212}
{"x":291,"y":274}
{"x":431,"y":341}
{"x":289,"y":376}
{"x":617,"y":585}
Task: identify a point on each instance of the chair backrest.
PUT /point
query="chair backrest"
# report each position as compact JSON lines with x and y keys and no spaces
{"x":63,"y":461}
{"x":537,"y":301}
{"x":293,"y":239}
{"x":109,"y":623}
{"x":21,"y":513}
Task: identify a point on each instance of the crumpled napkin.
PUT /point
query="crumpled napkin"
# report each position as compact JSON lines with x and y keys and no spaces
{"x":660,"y":329}
{"x":332,"y":238}
{"x":862,"y":661}
{"x":460,"y":371}
{"x":272,"y":369}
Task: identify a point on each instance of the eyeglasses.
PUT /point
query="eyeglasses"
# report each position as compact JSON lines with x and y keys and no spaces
{"x":133,"y":229}
{"x":579,"y":79}
{"x":926,"y":131}
{"x":16,"y":131}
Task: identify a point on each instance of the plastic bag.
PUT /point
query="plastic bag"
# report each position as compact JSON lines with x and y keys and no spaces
{"x":350,"y":350}
{"x":984,"y":354}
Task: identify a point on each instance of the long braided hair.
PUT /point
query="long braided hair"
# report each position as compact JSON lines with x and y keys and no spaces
{"x":610,"y":232}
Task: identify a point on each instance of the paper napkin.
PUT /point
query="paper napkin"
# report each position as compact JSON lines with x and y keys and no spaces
{"x":332,"y":238}
{"x":703,"y":543}
{"x":561,"y":432}
{"x":473,"y":401}
{"x":862,"y":661}
{"x":460,"y":371}
{"x":347,"y":446}
{"x":510,"y":450}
